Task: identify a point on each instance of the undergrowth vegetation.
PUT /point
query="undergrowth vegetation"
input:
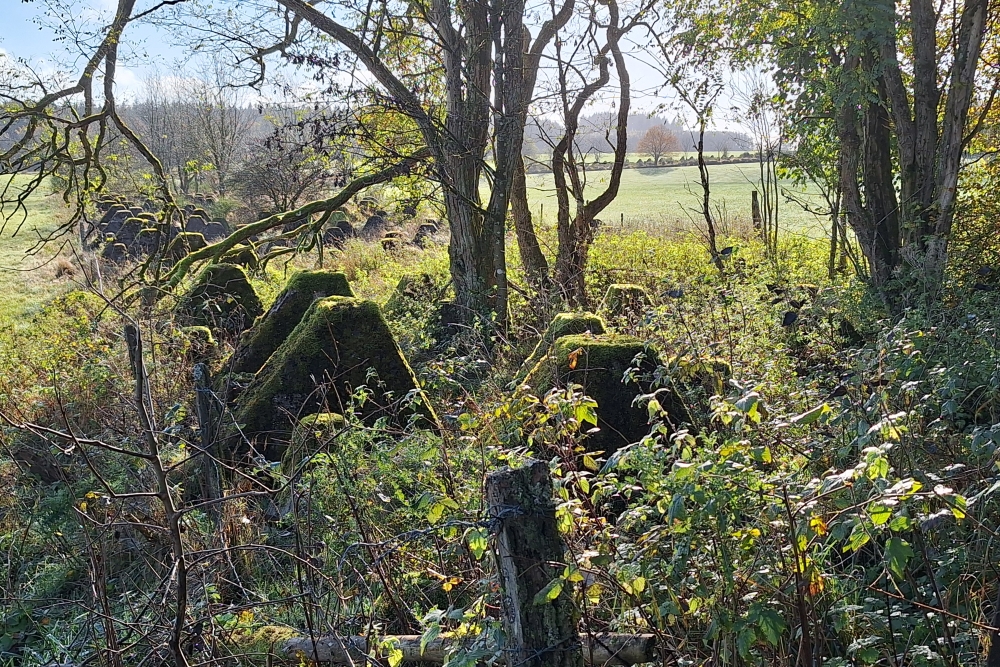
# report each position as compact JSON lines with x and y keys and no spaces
{"x":833,"y":494}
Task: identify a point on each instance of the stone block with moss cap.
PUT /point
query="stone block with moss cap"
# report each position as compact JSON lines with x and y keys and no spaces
{"x":624,"y":299}
{"x":563,"y":324}
{"x":198,"y":344}
{"x":292,"y":303}
{"x":340,"y":345}
{"x":313,"y":433}
{"x":184,"y":243}
{"x":222,"y":299}
{"x":242,"y":255}
{"x":598,"y":364}
{"x":414,"y":291}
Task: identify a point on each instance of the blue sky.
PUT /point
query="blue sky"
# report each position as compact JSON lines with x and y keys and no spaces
{"x":18,"y":35}
{"x":22,"y":36}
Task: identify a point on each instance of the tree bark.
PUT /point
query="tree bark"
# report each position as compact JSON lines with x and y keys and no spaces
{"x":536,"y":267}
{"x":706,"y":194}
{"x":576,"y":230}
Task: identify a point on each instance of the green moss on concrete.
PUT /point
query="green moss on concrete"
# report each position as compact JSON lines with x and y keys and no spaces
{"x":624,"y":299}
{"x":291,"y":304}
{"x":563,"y":324}
{"x":320,"y":365}
{"x":312,"y":434}
{"x":184,"y":243}
{"x":242,"y":255}
{"x":413,"y":292}
{"x":599,"y":364}
{"x":199,"y":344}
{"x":222,"y":299}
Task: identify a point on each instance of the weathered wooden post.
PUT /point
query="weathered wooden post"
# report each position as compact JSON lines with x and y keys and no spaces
{"x":530,"y":556}
{"x":206,"y":425}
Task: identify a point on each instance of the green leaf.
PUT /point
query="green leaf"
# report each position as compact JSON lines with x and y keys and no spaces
{"x":677,"y":509}
{"x":897,"y":555}
{"x":901,"y":524}
{"x":958,"y":509}
{"x":435,"y":513}
{"x":585,"y":414}
{"x":878,"y":468}
{"x":550,"y":592}
{"x":771,"y":625}
{"x":682,"y":470}
{"x":395,"y":654}
{"x":477,"y":541}
{"x":810,"y":416}
{"x":879,"y":513}
{"x":859,"y":538}
{"x":747,"y":402}
{"x":430,"y":634}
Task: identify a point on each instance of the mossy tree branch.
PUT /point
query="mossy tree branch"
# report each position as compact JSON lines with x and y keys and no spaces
{"x":216,"y":250}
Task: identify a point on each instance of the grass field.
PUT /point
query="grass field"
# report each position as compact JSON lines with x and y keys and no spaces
{"x":27,"y":279}
{"x":661,"y":199}
{"x":669,"y":197}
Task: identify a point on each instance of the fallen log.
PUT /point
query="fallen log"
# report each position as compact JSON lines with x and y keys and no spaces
{"x":599,"y":649}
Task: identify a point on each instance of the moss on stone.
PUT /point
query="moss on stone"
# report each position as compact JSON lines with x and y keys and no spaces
{"x":271,"y":331}
{"x":310,"y":436}
{"x":412,"y":292}
{"x":624,"y":299}
{"x":563,"y":324}
{"x":184,"y":243}
{"x":599,"y":364}
{"x":199,"y":343}
{"x":242,"y":255}
{"x":319,"y":366}
{"x":221,"y":298}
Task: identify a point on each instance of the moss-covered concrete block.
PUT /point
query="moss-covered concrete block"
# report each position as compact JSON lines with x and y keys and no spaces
{"x":199,"y":344}
{"x":242,"y":255}
{"x":599,"y":364}
{"x":221,"y":298}
{"x":184,"y":243}
{"x":625,"y":300}
{"x":563,"y":324}
{"x":292,"y":303}
{"x":340,"y":345}
{"x":310,"y":436}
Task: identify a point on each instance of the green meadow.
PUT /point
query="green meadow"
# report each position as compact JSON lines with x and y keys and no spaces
{"x":668,"y":198}
{"x":28,"y":275}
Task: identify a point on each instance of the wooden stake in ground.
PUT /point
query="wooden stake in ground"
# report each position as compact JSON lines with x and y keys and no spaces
{"x":541,"y":632}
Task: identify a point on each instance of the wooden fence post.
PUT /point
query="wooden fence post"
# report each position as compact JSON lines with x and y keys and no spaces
{"x":530,"y":556}
{"x":206,"y":424}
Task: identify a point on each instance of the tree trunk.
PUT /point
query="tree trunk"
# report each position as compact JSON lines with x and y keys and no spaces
{"x":758,"y":219}
{"x":706,"y":193}
{"x":576,"y":233}
{"x":536,"y":267}
{"x":880,"y":194}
